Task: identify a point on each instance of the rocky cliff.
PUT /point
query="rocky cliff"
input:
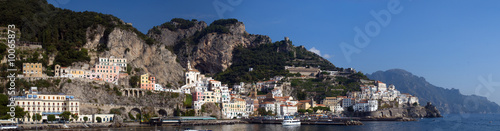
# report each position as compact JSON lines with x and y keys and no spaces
{"x":209,"y":51}
{"x":122,"y":43}
{"x":428,"y":111}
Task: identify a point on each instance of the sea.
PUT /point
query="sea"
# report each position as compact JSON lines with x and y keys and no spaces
{"x":449,"y":122}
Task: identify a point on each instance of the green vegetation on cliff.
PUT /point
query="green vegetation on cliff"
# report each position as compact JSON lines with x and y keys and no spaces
{"x":267,"y":61}
{"x":59,"y":30}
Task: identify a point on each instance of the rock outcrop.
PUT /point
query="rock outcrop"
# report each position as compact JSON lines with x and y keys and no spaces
{"x":428,"y":111}
{"x":213,"y":52}
{"x":169,"y":38}
{"x":153,"y":59}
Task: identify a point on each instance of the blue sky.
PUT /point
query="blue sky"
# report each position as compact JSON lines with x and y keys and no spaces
{"x":453,"y":44}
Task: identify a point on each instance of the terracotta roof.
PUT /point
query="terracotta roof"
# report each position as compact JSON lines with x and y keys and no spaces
{"x":239,"y":99}
{"x":288,"y":105}
{"x":263,"y":103}
{"x":194,"y":70}
{"x":305,"y":101}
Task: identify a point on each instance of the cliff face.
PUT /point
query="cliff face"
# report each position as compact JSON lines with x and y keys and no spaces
{"x":428,"y":111}
{"x":154,"y":59}
{"x":446,"y":100}
{"x":169,"y":38}
{"x":212,"y":52}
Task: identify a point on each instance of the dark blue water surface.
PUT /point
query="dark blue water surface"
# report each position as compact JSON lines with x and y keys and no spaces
{"x":453,"y":122}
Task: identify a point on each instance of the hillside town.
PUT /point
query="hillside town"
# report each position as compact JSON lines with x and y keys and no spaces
{"x":240,"y":100}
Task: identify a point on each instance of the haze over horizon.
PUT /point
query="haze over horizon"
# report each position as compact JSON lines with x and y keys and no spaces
{"x":450,"y":43}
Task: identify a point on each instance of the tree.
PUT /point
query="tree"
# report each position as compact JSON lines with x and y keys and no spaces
{"x":51,"y":118}
{"x":20,"y":113}
{"x":74,"y":116}
{"x":85,"y":119}
{"x":309,"y":111}
{"x":98,"y":119}
{"x":301,"y":111}
{"x":116,"y":111}
{"x":65,"y":115}
{"x":350,"y":108}
{"x":131,"y":116}
{"x":36,"y":117}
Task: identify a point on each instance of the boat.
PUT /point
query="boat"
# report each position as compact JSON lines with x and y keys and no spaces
{"x":289,"y":121}
{"x":8,"y":125}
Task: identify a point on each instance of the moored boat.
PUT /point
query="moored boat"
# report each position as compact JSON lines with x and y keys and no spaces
{"x":288,"y":121}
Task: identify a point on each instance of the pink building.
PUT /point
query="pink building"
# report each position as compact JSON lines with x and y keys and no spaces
{"x":108,"y":73}
{"x":197,"y":96}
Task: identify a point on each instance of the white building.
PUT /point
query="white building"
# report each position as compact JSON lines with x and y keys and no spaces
{"x":347,"y":102}
{"x":269,"y":106}
{"x":112,"y":61}
{"x":288,"y":110}
{"x":46,"y":104}
{"x":158,"y":87}
{"x":277,"y":93}
{"x":192,"y":75}
{"x":372,"y":105}
{"x":225,"y":96}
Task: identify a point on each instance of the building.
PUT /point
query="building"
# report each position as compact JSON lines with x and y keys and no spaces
{"x":225,"y":96}
{"x":46,"y":104}
{"x":147,"y":82}
{"x":235,"y":108}
{"x":268,"y":106}
{"x":112,"y":61}
{"x":277,"y":92}
{"x":305,"y":71}
{"x":192,"y":75}
{"x":330,"y":101}
{"x":105,"y":118}
{"x":158,"y":87}
{"x":366,"y":106}
{"x":108,"y":73}
{"x":288,"y":110}
{"x":32,"y":70}
{"x":347,"y":102}
{"x":304,"y":104}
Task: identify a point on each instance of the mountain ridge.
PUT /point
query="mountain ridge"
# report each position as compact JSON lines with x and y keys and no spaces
{"x":447,"y":100}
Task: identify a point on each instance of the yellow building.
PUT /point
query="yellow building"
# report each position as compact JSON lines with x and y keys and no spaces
{"x":330,"y":101}
{"x":77,"y":73}
{"x":209,"y":96}
{"x":46,"y":104}
{"x":236,"y":107}
{"x":32,"y":69}
{"x":304,"y":104}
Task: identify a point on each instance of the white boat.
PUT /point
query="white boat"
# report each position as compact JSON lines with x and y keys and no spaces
{"x":8,"y":125}
{"x":288,"y":121}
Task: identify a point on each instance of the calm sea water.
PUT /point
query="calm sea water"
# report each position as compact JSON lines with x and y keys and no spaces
{"x":454,"y":122}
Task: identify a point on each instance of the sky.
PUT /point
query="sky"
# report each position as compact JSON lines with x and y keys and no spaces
{"x":453,"y":44}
